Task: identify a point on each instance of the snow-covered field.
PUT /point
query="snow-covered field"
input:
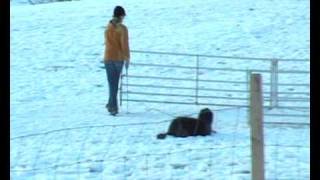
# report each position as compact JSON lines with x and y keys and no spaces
{"x":58,"y":83}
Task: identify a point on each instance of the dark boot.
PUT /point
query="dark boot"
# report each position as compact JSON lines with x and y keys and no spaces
{"x":113,"y":111}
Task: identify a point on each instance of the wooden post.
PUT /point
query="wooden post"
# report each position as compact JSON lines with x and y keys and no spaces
{"x":256,"y":119}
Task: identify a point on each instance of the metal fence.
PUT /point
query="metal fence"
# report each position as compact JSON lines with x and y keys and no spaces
{"x":286,"y":84}
{"x":230,"y":89}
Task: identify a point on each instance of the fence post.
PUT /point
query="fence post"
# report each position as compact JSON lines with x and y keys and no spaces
{"x":121,"y":86}
{"x":256,"y":120}
{"x":197,"y":79}
{"x":127,"y":84}
{"x":248,"y":93}
{"x":248,"y":82}
{"x":274,"y":84}
{"x":271,"y":84}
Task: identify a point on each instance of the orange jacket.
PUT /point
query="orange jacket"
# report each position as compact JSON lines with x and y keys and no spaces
{"x":116,"y":43}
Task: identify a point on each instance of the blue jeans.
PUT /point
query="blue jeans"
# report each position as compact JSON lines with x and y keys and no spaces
{"x":113,"y":69}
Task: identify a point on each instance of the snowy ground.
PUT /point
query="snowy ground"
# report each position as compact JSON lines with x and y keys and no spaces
{"x":57,"y":82}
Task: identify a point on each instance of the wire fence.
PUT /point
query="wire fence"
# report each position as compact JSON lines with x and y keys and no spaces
{"x":285,"y":156}
{"x":97,"y":152}
{"x":283,"y":151}
{"x":101,"y":152}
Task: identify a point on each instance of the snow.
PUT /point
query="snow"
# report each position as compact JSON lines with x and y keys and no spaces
{"x":58,"y":89}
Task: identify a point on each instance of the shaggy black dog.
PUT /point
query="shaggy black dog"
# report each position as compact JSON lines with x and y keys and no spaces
{"x":187,"y":126}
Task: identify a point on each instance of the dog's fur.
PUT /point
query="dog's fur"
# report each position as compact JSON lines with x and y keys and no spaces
{"x":187,"y":126}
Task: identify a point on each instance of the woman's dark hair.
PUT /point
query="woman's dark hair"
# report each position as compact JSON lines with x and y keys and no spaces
{"x":118,"y":11}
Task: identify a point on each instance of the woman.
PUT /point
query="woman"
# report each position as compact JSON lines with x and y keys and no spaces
{"x":116,"y":54}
